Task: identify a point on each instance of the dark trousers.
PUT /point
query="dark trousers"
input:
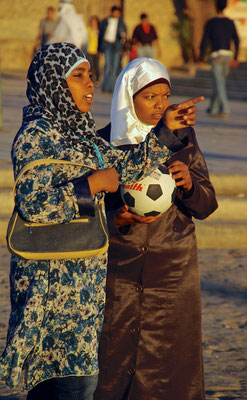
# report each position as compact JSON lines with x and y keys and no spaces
{"x":67,"y":388}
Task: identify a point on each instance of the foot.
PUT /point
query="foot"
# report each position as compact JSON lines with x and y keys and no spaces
{"x":211,"y":113}
{"x":223,"y":115}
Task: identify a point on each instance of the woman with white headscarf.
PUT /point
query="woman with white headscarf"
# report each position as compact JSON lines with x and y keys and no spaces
{"x":151,"y":345}
{"x":71,"y":27}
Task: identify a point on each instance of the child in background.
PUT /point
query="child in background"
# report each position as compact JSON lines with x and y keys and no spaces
{"x":92,"y":48}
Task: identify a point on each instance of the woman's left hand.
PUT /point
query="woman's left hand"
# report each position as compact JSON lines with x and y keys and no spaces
{"x":180,"y":172}
{"x":125,"y":217}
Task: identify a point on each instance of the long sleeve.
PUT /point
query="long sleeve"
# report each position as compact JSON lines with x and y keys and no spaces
{"x":235,"y":39}
{"x":204,"y":42}
{"x":141,"y":159}
{"x":41,"y":199}
{"x":48,"y":193}
{"x":102,"y":29}
{"x":202,"y":201}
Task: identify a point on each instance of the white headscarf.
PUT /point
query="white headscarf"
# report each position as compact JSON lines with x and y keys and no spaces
{"x":70,"y":27}
{"x":126,"y":128}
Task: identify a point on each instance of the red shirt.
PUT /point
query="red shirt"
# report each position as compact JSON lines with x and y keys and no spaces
{"x":146,"y":36}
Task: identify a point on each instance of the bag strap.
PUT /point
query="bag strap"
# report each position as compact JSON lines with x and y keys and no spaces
{"x":47,"y":161}
{"x":98,"y":154}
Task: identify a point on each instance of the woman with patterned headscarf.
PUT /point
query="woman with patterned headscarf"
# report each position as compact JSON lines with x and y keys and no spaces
{"x":151,"y":346}
{"x":57,"y":305}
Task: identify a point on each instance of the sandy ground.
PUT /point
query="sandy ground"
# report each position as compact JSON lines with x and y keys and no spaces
{"x":224,"y":313}
{"x":223,"y":272}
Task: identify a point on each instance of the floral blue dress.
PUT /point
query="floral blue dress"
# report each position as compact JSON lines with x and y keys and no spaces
{"x":57,"y":306}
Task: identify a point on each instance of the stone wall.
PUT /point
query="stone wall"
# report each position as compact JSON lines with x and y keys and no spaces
{"x":199,"y":12}
{"x":19,"y":21}
{"x":19,"y":24}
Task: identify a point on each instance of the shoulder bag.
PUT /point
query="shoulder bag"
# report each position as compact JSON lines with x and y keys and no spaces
{"x":82,"y":237}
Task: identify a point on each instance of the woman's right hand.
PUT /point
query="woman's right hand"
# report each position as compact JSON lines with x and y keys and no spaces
{"x":181,"y":115}
{"x":103,"y":180}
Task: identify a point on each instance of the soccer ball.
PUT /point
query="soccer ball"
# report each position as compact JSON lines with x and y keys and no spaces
{"x":152,"y":195}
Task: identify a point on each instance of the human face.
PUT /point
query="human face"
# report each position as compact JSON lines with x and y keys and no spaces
{"x":50,"y":13}
{"x":81,"y":86}
{"x":145,"y":21}
{"x":115,"y":14}
{"x":94,"y":23}
{"x":151,"y":103}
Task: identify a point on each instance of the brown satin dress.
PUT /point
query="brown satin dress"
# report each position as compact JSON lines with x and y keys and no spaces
{"x":151,"y":345}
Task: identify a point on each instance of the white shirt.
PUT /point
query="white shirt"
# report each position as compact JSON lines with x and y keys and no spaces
{"x":111,"y":30}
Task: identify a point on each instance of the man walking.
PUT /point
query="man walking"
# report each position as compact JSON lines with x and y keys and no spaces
{"x":46,"y":28}
{"x":145,"y":38}
{"x":112,"y":34}
{"x":219,"y":32}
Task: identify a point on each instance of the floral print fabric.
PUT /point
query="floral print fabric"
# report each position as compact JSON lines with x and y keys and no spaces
{"x":57,"y":306}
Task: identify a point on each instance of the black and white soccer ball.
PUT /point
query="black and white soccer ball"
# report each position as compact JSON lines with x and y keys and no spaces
{"x":152,"y":195}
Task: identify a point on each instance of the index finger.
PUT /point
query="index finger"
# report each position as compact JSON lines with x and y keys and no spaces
{"x":190,"y":102}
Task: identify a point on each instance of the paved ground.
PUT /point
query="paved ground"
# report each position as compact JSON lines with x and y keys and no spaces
{"x":224,"y":305}
{"x":223,"y":142}
{"x":223,"y":271}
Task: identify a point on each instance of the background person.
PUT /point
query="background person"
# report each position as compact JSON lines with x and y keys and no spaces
{"x":145,"y":38}
{"x":220,"y":32}
{"x":92,"y":48}
{"x":151,"y":346}
{"x":57,"y":306}
{"x":70,"y":27}
{"x":112,"y":35}
{"x":46,"y":28}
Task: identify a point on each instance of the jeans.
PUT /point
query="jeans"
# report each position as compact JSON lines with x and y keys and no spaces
{"x":67,"y":388}
{"x":111,"y":68}
{"x":220,"y":69}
